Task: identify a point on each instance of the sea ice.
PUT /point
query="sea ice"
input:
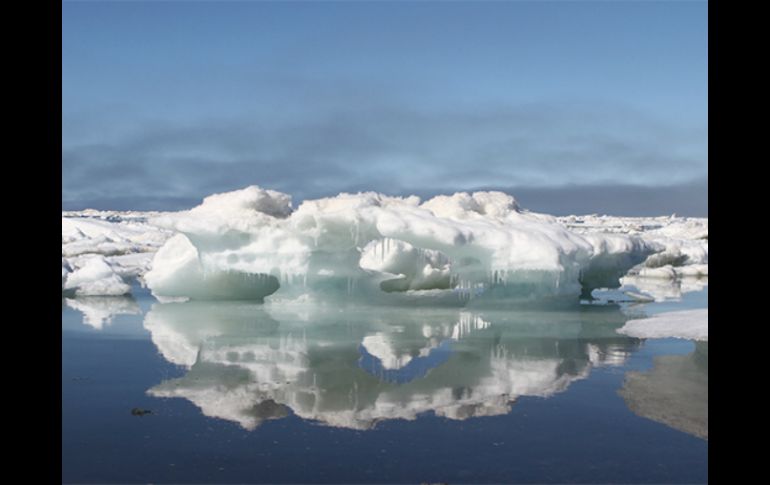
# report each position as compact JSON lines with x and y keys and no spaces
{"x":95,"y":277}
{"x":682,"y":242}
{"x":686,"y":324}
{"x":458,"y":250}
{"x":642,"y":287}
{"x":249,"y":243}
{"x":125,"y":244}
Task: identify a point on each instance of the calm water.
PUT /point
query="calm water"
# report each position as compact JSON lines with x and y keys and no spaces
{"x":242,"y":392}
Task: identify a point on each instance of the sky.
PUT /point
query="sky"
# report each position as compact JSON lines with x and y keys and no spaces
{"x":572,"y":107}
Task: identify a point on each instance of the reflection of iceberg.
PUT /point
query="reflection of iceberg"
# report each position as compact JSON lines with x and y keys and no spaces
{"x":384,"y":357}
{"x":178,"y":329}
{"x":100,"y":310}
{"x":382,"y":346}
{"x":246,"y":367}
{"x":674,"y":392}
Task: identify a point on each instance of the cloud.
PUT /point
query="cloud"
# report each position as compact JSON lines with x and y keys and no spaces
{"x":536,"y":148}
{"x":685,"y":199}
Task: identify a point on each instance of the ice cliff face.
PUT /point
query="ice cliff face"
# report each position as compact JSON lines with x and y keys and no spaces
{"x":250,"y":244}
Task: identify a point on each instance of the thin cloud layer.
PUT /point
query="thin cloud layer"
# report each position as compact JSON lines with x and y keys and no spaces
{"x":534,"y":148}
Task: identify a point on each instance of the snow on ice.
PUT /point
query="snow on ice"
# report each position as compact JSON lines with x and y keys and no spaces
{"x":250,"y":244}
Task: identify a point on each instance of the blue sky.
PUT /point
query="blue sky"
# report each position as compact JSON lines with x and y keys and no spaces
{"x":570,"y":106}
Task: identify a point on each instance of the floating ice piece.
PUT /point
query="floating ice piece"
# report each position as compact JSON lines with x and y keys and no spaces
{"x":687,"y":324}
{"x":96,"y":277}
{"x":248,"y":244}
{"x":126,"y":244}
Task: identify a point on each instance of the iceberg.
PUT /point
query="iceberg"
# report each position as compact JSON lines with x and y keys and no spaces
{"x":250,"y":244}
{"x":465,"y":249}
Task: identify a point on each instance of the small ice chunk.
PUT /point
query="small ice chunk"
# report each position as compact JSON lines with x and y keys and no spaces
{"x":687,"y":324}
{"x":96,"y":278}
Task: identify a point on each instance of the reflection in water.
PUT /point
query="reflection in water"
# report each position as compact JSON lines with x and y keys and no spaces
{"x":354,"y":367}
{"x":674,"y":392}
{"x":100,"y":310}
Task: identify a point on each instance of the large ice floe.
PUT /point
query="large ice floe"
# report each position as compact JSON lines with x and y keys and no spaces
{"x":463,"y":249}
{"x":249,"y":244}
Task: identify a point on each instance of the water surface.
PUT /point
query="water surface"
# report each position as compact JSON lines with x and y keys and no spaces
{"x":244,"y":392}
